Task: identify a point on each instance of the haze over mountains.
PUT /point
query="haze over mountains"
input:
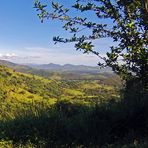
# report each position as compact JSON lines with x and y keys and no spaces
{"x":55,"y":67}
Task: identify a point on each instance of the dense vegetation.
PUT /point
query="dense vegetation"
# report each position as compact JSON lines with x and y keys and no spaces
{"x":38,"y":112}
{"x":24,"y":96}
{"x":83,"y":110}
{"x":121,"y":123}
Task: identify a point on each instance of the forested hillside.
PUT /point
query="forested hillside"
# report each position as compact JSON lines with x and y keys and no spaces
{"x":24,"y":95}
{"x":18,"y":91}
{"x":39,"y":112}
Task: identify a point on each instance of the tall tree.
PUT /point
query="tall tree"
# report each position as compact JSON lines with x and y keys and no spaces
{"x":127,"y":26}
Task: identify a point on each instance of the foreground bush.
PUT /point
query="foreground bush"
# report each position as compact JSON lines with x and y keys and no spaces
{"x":71,"y":125}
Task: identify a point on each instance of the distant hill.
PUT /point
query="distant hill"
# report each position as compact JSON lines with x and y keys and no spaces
{"x":17,"y":67}
{"x":66,"y":72}
{"x":55,"y":67}
{"x":70,"y":68}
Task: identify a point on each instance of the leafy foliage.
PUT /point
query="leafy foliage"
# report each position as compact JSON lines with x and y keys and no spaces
{"x":124,"y":21}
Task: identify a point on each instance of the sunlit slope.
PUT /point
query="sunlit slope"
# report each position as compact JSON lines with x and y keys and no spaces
{"x":19,"y":91}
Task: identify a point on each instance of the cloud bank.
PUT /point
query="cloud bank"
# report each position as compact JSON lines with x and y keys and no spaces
{"x":8,"y":56}
{"x":57,"y":55}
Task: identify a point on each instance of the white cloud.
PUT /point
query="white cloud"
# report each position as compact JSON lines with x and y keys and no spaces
{"x":42,"y":55}
{"x":65,"y":58}
{"x":8,"y":56}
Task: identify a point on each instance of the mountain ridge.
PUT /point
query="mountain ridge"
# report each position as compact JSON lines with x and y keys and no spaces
{"x":55,"y":67}
{"x":70,"y":68}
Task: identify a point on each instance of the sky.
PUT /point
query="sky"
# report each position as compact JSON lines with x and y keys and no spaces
{"x":24,"y":39}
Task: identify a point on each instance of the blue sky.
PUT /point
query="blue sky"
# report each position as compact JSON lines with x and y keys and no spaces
{"x":24,"y":39}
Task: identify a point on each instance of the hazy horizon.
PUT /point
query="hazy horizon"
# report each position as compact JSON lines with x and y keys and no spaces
{"x":47,"y":63}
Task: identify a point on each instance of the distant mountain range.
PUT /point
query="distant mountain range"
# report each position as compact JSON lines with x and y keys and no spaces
{"x":55,"y":67}
{"x":69,"y":68}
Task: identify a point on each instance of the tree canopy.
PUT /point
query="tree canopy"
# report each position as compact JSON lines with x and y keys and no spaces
{"x":127,"y":26}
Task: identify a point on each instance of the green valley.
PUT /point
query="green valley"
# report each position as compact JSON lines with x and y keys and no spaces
{"x":23,"y":95}
{"x":19,"y":90}
{"x":53,"y":112}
